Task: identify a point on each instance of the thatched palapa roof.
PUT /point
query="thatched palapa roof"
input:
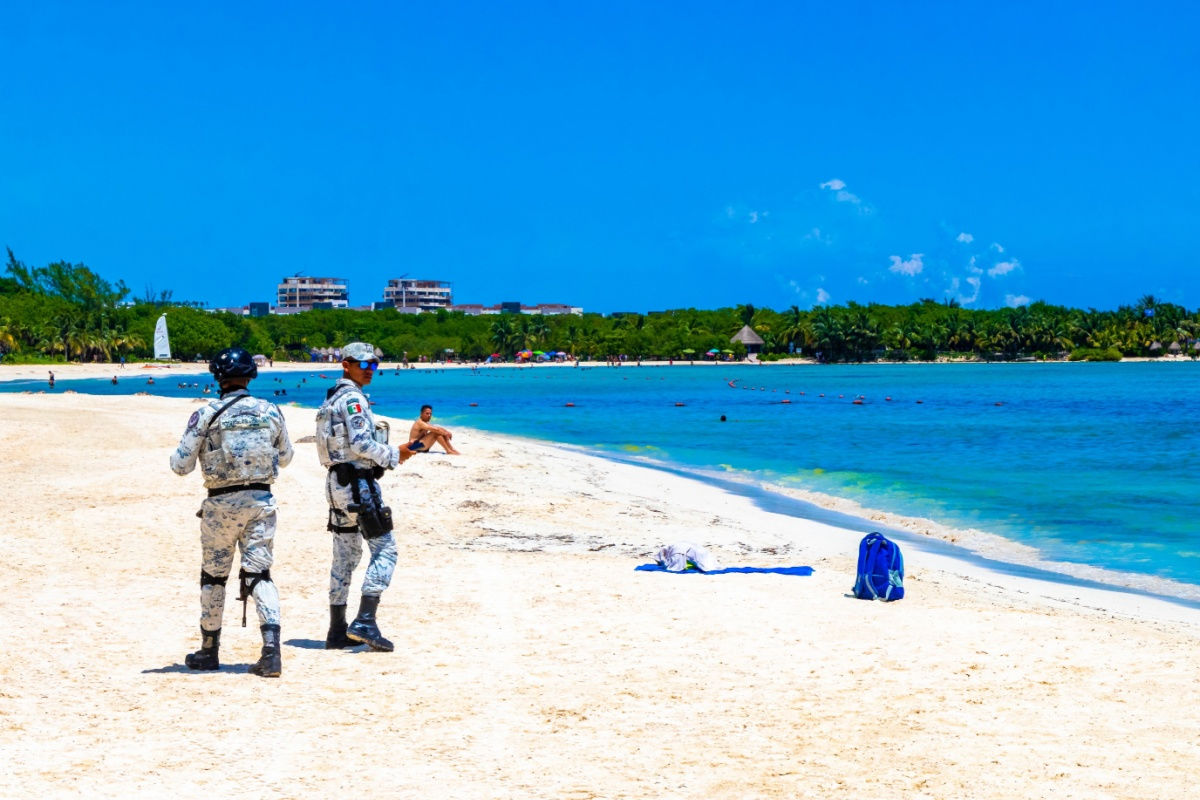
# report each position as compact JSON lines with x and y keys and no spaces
{"x":747,"y":336}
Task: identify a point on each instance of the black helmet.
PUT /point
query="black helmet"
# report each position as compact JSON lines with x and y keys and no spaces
{"x":233,"y":362}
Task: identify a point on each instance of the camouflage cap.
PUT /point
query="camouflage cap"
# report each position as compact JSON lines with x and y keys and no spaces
{"x":359,"y":351}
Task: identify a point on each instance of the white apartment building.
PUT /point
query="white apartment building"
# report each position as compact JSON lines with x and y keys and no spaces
{"x":426,"y":295}
{"x":300,"y":293}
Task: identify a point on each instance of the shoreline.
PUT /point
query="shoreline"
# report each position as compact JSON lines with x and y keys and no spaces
{"x":536,"y":657}
{"x":973,"y":553}
{"x":75,"y":371}
{"x":991,"y":553}
{"x":977,"y":553}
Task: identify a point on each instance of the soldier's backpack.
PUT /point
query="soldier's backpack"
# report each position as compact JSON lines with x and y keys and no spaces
{"x":880,"y":569}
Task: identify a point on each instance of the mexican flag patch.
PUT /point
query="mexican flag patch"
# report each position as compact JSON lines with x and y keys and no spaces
{"x":354,"y":407}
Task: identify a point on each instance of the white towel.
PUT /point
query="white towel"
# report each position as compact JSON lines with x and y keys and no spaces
{"x":675,"y":557}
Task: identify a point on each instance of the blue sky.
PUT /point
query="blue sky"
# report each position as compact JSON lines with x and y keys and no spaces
{"x":618,"y":156}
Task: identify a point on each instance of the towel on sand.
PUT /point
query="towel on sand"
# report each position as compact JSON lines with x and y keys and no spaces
{"x":675,"y":557}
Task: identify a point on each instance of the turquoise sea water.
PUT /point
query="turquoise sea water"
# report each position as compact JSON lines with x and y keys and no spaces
{"x":1090,"y":464}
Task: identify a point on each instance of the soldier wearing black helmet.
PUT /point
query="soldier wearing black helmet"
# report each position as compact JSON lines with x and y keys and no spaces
{"x":241,"y":442}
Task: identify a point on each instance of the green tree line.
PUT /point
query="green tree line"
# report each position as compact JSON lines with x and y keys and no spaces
{"x":66,"y":312}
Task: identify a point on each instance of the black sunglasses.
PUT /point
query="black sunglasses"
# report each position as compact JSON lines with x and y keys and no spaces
{"x":371,"y":365}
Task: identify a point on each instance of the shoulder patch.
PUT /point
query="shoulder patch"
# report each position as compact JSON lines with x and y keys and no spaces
{"x":354,"y":407}
{"x":358,"y":422}
{"x":193,"y":419}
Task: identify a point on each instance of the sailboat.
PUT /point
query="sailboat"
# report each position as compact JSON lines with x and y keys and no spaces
{"x":162,"y":345}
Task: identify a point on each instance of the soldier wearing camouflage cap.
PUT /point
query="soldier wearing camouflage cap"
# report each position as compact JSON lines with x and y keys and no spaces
{"x":354,"y":448}
{"x":241,"y":442}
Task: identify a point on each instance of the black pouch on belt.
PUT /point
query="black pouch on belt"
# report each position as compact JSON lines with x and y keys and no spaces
{"x":374,"y":518}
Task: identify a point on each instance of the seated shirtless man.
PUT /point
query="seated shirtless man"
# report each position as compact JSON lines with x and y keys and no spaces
{"x":425,"y":435}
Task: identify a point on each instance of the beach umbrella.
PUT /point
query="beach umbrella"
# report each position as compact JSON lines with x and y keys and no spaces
{"x":495,"y":355}
{"x":713,"y":352}
{"x":1174,"y":347}
{"x":1156,"y":345}
{"x":687,"y":350}
{"x":539,"y":352}
{"x":726,"y":351}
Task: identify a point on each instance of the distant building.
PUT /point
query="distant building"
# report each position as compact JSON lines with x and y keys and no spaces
{"x":259,"y":309}
{"x":406,"y":293}
{"x":301,"y":293}
{"x":544,"y":309}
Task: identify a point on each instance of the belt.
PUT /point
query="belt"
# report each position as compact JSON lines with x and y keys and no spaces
{"x":242,"y":487}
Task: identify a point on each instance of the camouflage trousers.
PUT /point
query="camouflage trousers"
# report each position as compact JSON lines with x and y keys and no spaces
{"x":347,"y":549}
{"x":242,"y":521}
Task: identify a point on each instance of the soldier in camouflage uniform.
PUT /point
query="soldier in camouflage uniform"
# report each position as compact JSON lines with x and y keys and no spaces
{"x":240,"y":442}
{"x":356,"y":454}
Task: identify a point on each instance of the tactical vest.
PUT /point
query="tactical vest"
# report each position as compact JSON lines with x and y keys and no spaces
{"x":333,"y":445}
{"x":240,"y":446}
{"x":332,"y":438}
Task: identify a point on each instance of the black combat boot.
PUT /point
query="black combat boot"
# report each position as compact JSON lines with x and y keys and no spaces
{"x":206,"y":656}
{"x":337,"y":639}
{"x":364,"y":629}
{"x":270,"y":665}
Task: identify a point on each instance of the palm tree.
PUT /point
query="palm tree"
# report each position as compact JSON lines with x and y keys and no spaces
{"x":793,"y":326}
{"x":502,"y":333}
{"x":828,"y":334}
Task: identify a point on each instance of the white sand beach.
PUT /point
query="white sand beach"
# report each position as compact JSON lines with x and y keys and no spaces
{"x":532,"y":659}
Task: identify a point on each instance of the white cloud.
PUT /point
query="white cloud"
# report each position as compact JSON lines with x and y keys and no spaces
{"x":753,"y":217}
{"x":1015,"y":300}
{"x":912,"y":266}
{"x":729,"y":212}
{"x":974,"y":283}
{"x":822,"y":296}
{"x":1003,"y":268}
{"x":972,"y":268}
{"x":965,"y":238}
{"x":862,"y":281}
{"x":839,"y":186}
{"x":996,"y":246}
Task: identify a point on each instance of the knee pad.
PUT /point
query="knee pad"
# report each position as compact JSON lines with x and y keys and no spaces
{"x":211,"y":580}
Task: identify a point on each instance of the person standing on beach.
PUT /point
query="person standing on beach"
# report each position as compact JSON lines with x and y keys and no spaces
{"x":240,"y":442}
{"x":356,"y":452}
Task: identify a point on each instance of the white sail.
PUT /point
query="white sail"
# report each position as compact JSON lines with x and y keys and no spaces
{"x":162,"y":346}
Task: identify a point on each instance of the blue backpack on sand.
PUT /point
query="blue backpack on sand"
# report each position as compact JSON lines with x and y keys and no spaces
{"x":880,"y":569}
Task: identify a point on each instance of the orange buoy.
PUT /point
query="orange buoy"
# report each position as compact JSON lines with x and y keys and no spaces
{"x":474,"y":404}
{"x":678,"y":404}
{"x":888,"y":398}
{"x":785,"y":402}
{"x":570,"y":405}
{"x":857,"y":401}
